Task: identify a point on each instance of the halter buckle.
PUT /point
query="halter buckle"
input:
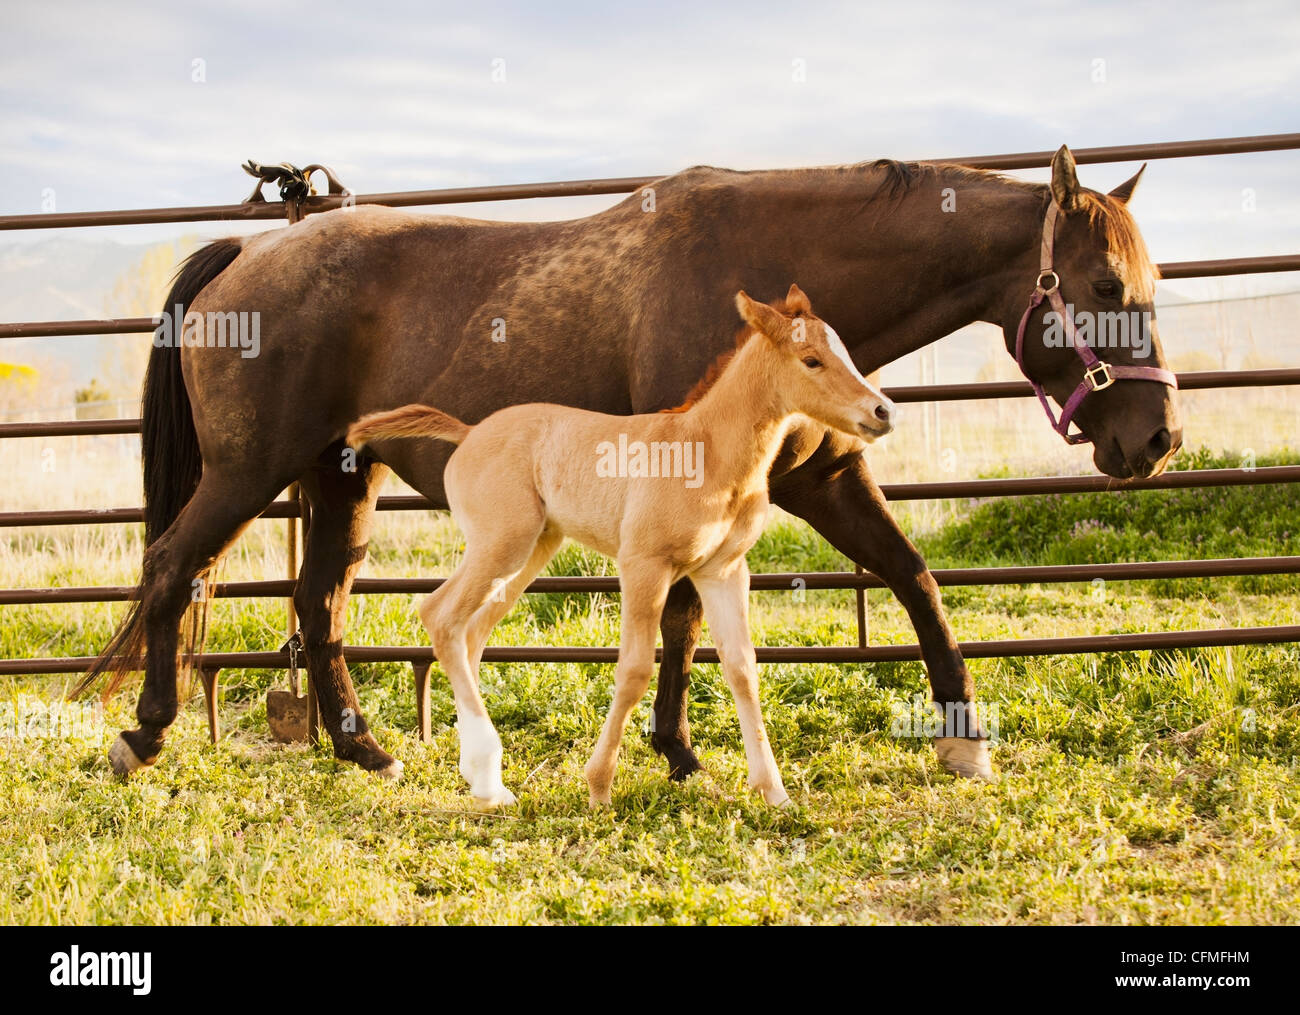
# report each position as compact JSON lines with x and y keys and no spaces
{"x":1056,"y":282}
{"x":1090,"y":375}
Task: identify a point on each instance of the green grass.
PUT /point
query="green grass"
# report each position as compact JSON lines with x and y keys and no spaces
{"x":1153,"y":787}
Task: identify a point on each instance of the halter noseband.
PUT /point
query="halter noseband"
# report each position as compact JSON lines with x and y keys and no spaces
{"x":1097,"y":374}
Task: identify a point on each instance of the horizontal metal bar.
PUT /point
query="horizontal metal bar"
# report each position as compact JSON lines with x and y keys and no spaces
{"x":621,"y":185}
{"x":1226,"y":567}
{"x":73,"y":329}
{"x":1192,"y":381}
{"x":71,"y":428}
{"x":145,"y":325}
{"x":976,"y":488}
{"x":1229,"y":266}
{"x":1092,"y":643}
{"x":1138,"y":152}
{"x":1197,"y":380}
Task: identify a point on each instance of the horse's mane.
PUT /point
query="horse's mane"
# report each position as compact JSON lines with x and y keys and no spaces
{"x":716,"y":368}
{"x":1105,"y":213}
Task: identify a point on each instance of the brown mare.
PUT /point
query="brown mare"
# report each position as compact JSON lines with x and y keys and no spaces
{"x":369,"y":308}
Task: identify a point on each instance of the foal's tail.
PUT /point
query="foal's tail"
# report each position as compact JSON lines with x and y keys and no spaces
{"x":408,"y":421}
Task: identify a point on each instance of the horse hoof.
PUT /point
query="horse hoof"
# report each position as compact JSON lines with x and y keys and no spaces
{"x":123,"y":759}
{"x":392,"y":772}
{"x":966,"y":758}
{"x":682,"y":761}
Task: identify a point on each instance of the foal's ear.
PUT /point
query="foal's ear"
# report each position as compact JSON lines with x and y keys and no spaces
{"x":797,"y":301}
{"x":761,"y":317}
{"x":1125,"y":190}
{"x":1065,"y":181}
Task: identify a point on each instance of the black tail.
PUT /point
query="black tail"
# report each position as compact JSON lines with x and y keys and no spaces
{"x":168,"y":443}
{"x":169,"y":447}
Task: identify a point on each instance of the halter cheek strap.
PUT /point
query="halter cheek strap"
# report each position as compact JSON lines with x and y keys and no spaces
{"x":1097,"y":374}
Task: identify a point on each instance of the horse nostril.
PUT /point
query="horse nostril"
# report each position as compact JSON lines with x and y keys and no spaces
{"x":885,"y":413}
{"x":1159,"y":445}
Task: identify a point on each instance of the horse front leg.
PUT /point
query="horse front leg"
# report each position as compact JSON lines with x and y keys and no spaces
{"x":680,"y":626}
{"x":843,"y":503}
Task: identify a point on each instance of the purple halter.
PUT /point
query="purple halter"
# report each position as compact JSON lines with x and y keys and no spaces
{"x":1097,"y":374}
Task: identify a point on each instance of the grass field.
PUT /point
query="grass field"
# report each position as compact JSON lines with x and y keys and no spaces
{"x":1154,"y":787}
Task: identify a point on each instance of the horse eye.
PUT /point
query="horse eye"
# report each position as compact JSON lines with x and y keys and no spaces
{"x":1106,"y":290}
{"x":811,"y":362}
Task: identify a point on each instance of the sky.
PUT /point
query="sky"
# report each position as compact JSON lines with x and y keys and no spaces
{"x":134,"y":105}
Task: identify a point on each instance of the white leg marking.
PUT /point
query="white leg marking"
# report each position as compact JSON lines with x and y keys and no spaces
{"x":480,"y":760}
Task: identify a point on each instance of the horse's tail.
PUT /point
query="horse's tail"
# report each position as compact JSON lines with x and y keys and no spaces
{"x":169,"y":447}
{"x":408,"y":421}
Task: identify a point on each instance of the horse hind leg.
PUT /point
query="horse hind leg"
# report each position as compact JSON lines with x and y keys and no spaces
{"x":343,"y":508}
{"x":223,"y":504}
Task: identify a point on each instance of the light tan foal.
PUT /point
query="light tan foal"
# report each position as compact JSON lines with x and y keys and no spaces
{"x":670,"y":495}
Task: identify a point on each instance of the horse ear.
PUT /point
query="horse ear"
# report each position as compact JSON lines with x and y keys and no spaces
{"x":1065,"y":181}
{"x":796,"y":300}
{"x":1125,"y":190}
{"x":761,"y":317}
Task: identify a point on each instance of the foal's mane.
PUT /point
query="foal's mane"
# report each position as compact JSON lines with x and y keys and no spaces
{"x":1106,"y":214}
{"x":716,"y":368}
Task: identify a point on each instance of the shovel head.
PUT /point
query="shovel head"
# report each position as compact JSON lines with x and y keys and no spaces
{"x":286,"y":714}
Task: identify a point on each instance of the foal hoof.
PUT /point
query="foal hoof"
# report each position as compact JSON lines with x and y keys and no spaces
{"x":499,"y":797}
{"x":123,"y":759}
{"x":966,"y":758}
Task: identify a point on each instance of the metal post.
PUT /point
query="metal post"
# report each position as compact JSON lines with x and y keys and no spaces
{"x":861,"y":595}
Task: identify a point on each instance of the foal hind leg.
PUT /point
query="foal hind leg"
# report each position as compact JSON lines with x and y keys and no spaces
{"x":505,"y":595}
{"x":222,"y":506}
{"x":493,"y":561}
{"x":644,"y":585}
{"x":343,"y":509}
{"x":726,"y":606}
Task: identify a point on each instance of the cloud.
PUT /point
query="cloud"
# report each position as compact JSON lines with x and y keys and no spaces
{"x":99,"y":102}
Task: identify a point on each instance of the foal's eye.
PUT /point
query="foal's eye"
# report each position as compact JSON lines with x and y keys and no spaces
{"x":1107,"y":290}
{"x":811,"y":362}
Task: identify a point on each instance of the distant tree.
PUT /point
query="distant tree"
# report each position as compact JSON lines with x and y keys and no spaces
{"x":1193,"y":360}
{"x":19,"y":387}
{"x":1256,"y":360}
{"x":94,"y":401}
{"x":139,"y":292}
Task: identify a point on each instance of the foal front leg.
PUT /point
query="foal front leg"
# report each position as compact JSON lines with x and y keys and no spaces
{"x":726,"y":606}
{"x":644,"y":586}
